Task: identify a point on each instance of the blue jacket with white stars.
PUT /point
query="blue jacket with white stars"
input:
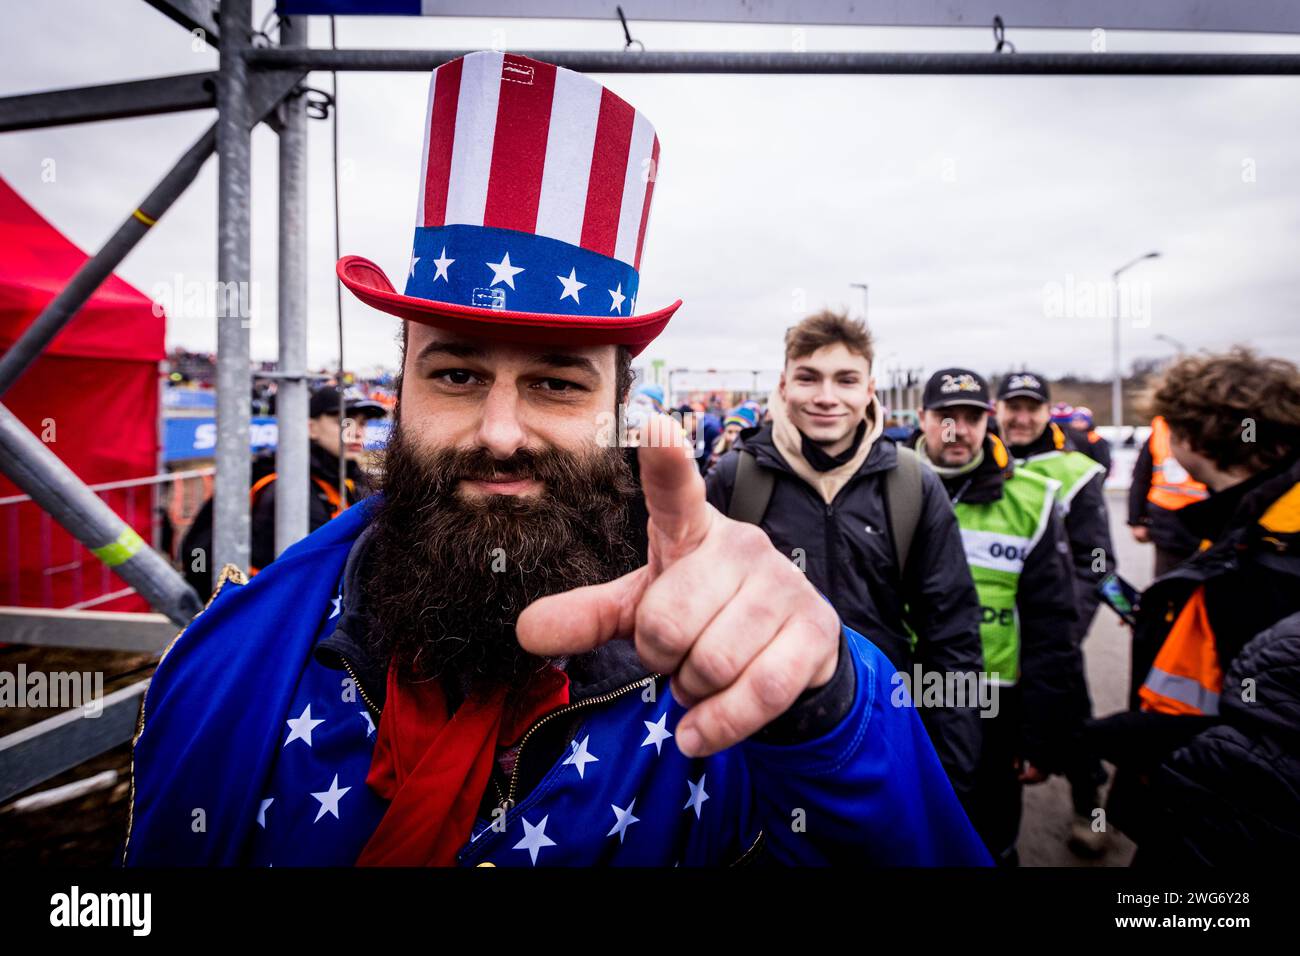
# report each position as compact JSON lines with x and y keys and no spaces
{"x":257,"y":733}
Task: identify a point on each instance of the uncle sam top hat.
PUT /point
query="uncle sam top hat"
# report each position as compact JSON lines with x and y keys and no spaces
{"x":534,"y":196}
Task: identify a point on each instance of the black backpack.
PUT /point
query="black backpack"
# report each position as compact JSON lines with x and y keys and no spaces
{"x":753,"y":492}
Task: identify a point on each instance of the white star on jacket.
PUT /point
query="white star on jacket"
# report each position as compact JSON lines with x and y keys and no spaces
{"x":338,"y":606}
{"x":571,"y":286}
{"x":503,"y":271}
{"x":617,"y":296}
{"x":580,"y":757}
{"x":698,"y":796}
{"x":300,"y":727}
{"x":370,"y":724}
{"x":329,"y":799}
{"x":442,"y":263}
{"x":534,"y":838}
{"x":261,"y":811}
{"x":622,"y":820}
{"x":658,"y":733}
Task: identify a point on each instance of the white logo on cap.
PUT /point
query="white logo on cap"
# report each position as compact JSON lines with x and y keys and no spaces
{"x":959,"y":383}
{"x":1024,"y":381}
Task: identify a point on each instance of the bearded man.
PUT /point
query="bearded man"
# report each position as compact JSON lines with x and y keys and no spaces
{"x":473,"y":667}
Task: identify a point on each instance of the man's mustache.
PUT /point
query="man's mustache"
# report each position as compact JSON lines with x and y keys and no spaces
{"x":547,"y":465}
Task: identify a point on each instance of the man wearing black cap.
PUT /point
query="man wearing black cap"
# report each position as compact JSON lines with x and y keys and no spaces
{"x":1017,"y":550}
{"x":1040,"y":446}
{"x":331,"y":438}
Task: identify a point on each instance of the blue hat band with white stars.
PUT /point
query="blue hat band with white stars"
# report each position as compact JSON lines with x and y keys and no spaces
{"x":517,"y":271}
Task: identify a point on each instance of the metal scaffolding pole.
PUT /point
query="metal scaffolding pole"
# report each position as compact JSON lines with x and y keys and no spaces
{"x":100,"y":266}
{"x":230,"y":525}
{"x":35,"y":469}
{"x":992,"y":64}
{"x":291,"y":398}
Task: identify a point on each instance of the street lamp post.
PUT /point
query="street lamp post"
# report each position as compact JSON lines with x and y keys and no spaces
{"x":1117,"y":384}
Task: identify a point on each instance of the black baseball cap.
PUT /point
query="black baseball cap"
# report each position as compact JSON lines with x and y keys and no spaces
{"x":1027,"y":384}
{"x":956,"y":386}
{"x":325,"y":401}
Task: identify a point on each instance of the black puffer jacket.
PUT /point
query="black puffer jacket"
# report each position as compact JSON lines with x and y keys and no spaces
{"x":848,"y":552}
{"x":1232,"y":796}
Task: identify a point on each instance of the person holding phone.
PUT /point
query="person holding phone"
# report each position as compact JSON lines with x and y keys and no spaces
{"x":1206,"y":753}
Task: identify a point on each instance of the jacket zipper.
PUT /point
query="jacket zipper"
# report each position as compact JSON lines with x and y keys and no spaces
{"x":347,"y":666}
{"x":508,"y":803}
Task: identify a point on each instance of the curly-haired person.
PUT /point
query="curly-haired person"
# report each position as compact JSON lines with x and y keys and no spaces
{"x":1209,"y":753}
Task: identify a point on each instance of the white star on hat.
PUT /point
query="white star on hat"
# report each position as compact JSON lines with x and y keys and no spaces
{"x":329,"y":799}
{"x":580,"y":757}
{"x":414,"y":260}
{"x":622,"y":820}
{"x":534,"y":838}
{"x":442,"y":263}
{"x":571,"y":286}
{"x":300,"y":727}
{"x":618,"y":297}
{"x":503,"y":271}
{"x":658,"y":733}
{"x":698,"y":796}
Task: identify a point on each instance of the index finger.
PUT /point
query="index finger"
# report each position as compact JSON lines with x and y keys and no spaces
{"x":674,"y":490}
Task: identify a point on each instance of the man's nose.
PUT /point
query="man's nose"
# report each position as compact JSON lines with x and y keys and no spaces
{"x":500,"y":431}
{"x":826,"y":394}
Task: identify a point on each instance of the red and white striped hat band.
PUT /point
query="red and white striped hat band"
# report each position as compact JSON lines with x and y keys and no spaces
{"x":534,"y":196}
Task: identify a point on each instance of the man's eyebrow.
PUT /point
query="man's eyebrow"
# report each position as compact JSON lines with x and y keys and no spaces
{"x":569,"y":361}
{"x":454,"y":349}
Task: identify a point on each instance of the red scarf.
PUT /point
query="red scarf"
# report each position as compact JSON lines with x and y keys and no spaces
{"x":434,"y":769}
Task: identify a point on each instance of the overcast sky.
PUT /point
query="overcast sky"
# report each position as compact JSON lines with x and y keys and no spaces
{"x":975,"y":207}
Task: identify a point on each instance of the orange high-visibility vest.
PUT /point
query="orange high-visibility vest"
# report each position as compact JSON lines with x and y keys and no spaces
{"x":1186,"y":678}
{"x":331,"y":495}
{"x":1171,"y":486}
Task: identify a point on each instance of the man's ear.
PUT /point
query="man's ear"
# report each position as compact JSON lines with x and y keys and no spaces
{"x":871,"y":388}
{"x":780,"y":385}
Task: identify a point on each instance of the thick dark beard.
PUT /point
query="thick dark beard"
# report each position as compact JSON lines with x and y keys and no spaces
{"x":447,"y":577}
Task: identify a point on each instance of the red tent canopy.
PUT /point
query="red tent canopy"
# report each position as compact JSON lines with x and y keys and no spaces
{"x":92,"y":396}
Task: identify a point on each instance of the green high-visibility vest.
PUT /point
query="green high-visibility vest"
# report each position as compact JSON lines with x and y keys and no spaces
{"x":1070,"y":469}
{"x":997,"y":537}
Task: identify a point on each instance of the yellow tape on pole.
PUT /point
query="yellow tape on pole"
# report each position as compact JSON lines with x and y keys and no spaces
{"x":118,"y":551}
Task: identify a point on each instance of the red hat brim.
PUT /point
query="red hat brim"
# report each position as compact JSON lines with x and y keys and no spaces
{"x":368,"y":283}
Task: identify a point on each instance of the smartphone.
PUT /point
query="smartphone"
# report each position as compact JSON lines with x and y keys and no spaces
{"x":1120,"y":596}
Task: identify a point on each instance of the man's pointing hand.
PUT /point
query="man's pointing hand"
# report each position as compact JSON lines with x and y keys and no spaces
{"x":734,"y":622}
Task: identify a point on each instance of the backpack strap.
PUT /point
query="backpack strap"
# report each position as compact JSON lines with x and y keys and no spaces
{"x":903,"y":498}
{"x":752,"y":491}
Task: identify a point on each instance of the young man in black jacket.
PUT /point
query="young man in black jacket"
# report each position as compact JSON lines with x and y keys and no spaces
{"x":825,"y":469}
{"x":1018,"y":553}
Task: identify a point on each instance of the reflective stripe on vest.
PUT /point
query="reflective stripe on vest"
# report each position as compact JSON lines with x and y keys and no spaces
{"x":1186,"y":678}
{"x":997,"y":537}
{"x":1171,"y":486}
